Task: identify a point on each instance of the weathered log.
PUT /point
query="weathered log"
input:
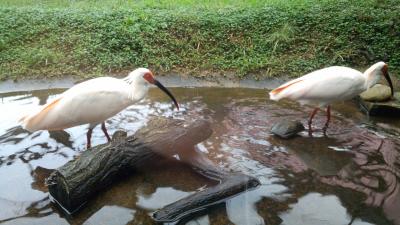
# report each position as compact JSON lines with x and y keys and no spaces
{"x":230,"y":185}
{"x":78,"y":180}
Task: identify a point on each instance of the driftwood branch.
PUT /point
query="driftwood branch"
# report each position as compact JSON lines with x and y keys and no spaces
{"x":73,"y":184}
{"x":230,"y":185}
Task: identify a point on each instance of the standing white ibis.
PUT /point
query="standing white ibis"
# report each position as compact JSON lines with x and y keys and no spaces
{"x":337,"y":83}
{"x":92,"y":102}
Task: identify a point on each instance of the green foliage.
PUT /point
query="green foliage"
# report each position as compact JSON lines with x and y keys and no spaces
{"x":270,"y":38}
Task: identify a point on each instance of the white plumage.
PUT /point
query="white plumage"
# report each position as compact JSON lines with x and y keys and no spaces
{"x":92,"y":102}
{"x":322,"y":87}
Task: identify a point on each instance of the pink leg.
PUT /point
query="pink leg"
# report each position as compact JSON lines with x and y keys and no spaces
{"x":103,"y":128}
{"x":89,"y":137}
{"x":328,"y":118}
{"x":310,"y":121}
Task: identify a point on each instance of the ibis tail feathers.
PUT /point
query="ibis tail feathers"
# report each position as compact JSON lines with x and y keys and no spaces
{"x":34,"y":121}
{"x":276,"y":94}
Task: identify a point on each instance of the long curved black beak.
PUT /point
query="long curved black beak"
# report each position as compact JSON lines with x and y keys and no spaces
{"x":387,"y":77}
{"x":164,"y":89}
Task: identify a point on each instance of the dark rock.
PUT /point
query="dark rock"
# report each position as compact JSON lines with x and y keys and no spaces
{"x":287,"y":129}
{"x":378,"y":93}
{"x":389,"y":108}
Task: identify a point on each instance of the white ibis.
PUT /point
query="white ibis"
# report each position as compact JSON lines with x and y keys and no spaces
{"x":92,"y":102}
{"x":337,"y":83}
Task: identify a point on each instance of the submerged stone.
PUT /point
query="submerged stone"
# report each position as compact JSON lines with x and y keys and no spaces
{"x":287,"y":128}
{"x":389,"y":108}
{"x":396,"y":96}
{"x":378,"y":93}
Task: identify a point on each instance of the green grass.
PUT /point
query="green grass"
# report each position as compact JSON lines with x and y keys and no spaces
{"x":267,"y":38}
{"x":158,"y":4}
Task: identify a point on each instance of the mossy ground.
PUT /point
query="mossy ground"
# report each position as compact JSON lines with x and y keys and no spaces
{"x":267,"y":38}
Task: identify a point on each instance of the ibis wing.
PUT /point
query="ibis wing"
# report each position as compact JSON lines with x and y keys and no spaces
{"x":30,"y":122}
{"x":88,"y":102}
{"x":322,"y":86}
{"x":325,"y":90}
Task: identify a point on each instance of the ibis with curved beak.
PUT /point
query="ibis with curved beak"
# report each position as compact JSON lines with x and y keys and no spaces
{"x":92,"y":102}
{"x":337,"y":83}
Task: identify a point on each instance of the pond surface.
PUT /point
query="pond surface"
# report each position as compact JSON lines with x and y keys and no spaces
{"x":350,"y":176}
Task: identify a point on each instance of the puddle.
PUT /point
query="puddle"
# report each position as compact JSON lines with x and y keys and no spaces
{"x":349,"y":177}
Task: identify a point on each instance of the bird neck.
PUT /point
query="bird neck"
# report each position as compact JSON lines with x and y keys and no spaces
{"x":372,"y":76}
{"x":138,"y":89}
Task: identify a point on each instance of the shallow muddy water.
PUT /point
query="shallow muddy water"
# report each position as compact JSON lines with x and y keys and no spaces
{"x":350,"y":176}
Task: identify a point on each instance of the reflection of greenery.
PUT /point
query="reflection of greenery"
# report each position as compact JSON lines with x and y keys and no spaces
{"x":89,"y":38}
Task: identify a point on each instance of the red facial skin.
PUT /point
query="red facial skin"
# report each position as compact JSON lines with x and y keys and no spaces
{"x":387,"y":77}
{"x":149,"y":77}
{"x":385,"y":69}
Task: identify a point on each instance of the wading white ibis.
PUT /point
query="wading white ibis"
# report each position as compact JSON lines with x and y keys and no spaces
{"x":92,"y":102}
{"x":337,"y":83}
